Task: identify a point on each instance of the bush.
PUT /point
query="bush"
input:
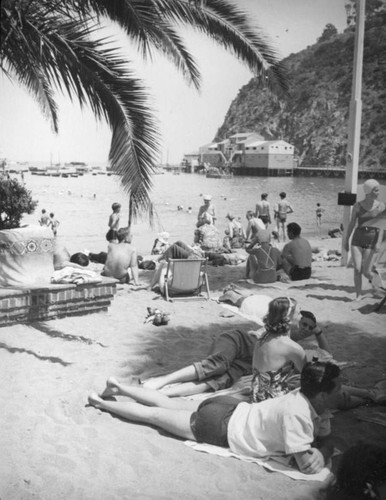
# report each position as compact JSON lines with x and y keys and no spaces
{"x":15,"y":200}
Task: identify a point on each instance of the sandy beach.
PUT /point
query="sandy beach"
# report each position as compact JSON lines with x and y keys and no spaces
{"x":54,"y":446}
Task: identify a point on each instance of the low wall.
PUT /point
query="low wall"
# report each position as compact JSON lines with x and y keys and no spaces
{"x":24,"y":305}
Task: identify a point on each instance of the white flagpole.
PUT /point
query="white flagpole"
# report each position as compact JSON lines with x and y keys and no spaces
{"x":355,"y":116}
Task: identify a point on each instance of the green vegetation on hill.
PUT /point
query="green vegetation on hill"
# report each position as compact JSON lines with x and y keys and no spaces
{"x":314,"y":118}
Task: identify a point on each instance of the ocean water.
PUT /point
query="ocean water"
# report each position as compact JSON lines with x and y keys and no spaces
{"x":83,"y":204}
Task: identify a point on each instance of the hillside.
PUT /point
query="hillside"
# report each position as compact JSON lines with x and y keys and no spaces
{"x":315,"y":116}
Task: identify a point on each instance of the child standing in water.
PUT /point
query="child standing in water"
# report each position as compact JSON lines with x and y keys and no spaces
{"x":319,"y":211}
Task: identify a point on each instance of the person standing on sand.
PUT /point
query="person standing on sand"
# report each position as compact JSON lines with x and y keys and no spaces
{"x":366,"y":240}
{"x":54,"y":223}
{"x":282,"y":209}
{"x":113,"y":223}
{"x":297,"y":254}
{"x":288,"y":425}
{"x":263,"y":210}
{"x":121,"y":261}
{"x":207,"y":207}
{"x":44,"y":219}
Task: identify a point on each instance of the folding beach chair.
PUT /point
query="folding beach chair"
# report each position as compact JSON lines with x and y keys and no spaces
{"x":185,"y":278}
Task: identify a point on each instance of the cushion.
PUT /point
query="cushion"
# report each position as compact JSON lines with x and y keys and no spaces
{"x":26,"y":256}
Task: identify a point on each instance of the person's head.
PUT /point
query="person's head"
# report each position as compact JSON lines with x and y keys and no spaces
{"x":280,"y":312}
{"x":318,"y":204}
{"x":116,"y":207}
{"x":293,"y":230}
{"x":250,"y":214}
{"x":227,"y":232}
{"x":43,"y":210}
{"x":371,"y":188}
{"x":123,"y":234}
{"x":307,"y":321}
{"x":264,"y":196}
{"x":319,"y":382}
{"x":207,"y":199}
{"x":361,"y":474}
{"x":80,"y":258}
{"x":52,"y":215}
{"x":282,"y":195}
{"x":275,"y":235}
{"x":229,"y":216}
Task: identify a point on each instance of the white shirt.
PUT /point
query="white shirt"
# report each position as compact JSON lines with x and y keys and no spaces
{"x":281,"y":426}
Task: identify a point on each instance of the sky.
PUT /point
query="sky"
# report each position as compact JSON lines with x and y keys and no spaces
{"x":187,"y":118}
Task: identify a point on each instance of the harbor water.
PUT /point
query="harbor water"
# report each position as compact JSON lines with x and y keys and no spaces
{"x":83,"y":204}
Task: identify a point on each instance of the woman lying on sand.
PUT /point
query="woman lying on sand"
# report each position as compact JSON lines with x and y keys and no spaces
{"x":230,"y":358}
{"x":282,"y":426}
{"x":273,"y":360}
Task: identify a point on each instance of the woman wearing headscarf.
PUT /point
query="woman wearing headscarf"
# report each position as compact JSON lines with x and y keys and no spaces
{"x":367,"y":238}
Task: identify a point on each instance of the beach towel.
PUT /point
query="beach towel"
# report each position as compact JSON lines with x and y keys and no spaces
{"x":277,"y":464}
{"x":281,"y":285}
{"x":74,"y":275}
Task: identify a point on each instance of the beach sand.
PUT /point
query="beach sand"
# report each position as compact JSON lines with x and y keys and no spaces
{"x":54,"y":446}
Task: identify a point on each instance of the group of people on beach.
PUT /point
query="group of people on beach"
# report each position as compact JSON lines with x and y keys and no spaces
{"x":283,"y":413}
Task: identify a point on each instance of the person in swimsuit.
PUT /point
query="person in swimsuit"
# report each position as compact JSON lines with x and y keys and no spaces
{"x":264,"y":260}
{"x":263,"y":210}
{"x":277,"y":427}
{"x":112,"y":233}
{"x":276,"y":357}
{"x":282,"y":209}
{"x":366,"y":239}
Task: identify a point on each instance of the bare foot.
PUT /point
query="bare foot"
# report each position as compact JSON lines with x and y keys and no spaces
{"x":154,"y":383}
{"x":94,"y":400}
{"x":111,"y":388}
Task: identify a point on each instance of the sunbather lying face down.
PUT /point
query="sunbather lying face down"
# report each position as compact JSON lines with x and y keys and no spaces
{"x":288,"y":425}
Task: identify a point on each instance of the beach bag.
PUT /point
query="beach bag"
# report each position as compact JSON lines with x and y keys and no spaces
{"x":26,"y":256}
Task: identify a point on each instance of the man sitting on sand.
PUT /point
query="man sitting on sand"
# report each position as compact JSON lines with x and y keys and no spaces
{"x":208,"y":236}
{"x":297,"y":254}
{"x":121,"y":261}
{"x":296,"y":424}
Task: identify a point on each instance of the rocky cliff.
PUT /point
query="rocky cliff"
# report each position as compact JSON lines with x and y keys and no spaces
{"x":314,"y":118}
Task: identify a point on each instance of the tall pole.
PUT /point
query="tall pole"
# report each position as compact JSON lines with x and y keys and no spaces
{"x":355,"y":117}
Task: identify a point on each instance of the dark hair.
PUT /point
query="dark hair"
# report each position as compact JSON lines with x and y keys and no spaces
{"x":275,"y":234}
{"x":277,"y":321}
{"x":294,"y":228}
{"x":123,"y":233}
{"x":309,"y":315}
{"x":43,"y":210}
{"x":318,"y":204}
{"x":361,"y":470}
{"x":264,"y":196}
{"x":52,"y":214}
{"x":250,"y":213}
{"x":115,"y":206}
{"x":318,"y":376}
{"x":80,"y":258}
{"x":283,"y":194}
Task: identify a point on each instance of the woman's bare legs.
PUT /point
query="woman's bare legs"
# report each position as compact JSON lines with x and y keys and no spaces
{"x":186,"y":374}
{"x":356,"y":253}
{"x":150,"y":407}
{"x":146,"y":396}
{"x":186,"y":389}
{"x":176,"y":422}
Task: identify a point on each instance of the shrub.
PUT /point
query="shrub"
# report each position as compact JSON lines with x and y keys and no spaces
{"x":15,"y":200}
